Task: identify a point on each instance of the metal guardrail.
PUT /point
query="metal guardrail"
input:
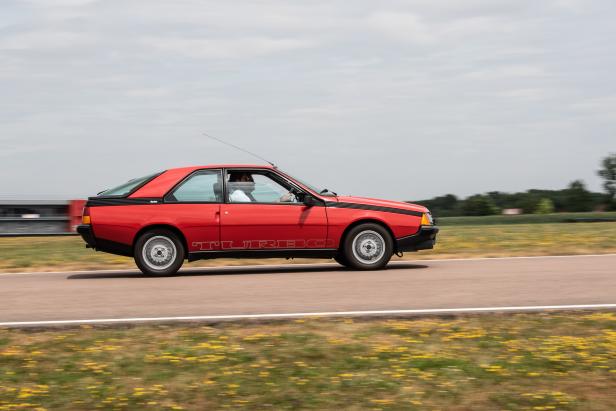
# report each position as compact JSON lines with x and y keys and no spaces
{"x":38,"y":235}
{"x":61,"y":218}
{"x":39,"y":217}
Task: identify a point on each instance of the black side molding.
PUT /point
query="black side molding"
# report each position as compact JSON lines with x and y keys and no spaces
{"x":373,"y":208}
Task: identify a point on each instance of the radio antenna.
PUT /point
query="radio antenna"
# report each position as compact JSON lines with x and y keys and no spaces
{"x":239,"y":148}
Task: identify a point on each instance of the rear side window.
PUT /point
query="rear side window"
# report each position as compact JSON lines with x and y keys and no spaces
{"x":204,"y":186}
{"x":128,"y":187}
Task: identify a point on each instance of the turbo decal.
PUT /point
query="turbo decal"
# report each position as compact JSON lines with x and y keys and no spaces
{"x":263,"y":244}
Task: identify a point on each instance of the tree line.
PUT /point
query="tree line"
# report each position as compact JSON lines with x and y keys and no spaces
{"x":575,"y":198}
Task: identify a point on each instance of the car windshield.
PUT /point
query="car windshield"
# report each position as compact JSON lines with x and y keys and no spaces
{"x":127,"y":187}
{"x":319,"y":190}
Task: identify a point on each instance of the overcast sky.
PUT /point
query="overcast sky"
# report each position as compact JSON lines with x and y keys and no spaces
{"x":395,"y":99}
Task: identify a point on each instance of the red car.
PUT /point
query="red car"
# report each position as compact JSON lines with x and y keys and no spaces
{"x":247,"y":211}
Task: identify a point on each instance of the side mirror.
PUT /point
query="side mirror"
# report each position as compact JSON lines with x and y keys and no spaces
{"x":310,"y":201}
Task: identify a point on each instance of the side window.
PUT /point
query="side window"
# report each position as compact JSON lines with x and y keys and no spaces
{"x":202,"y":187}
{"x":254,"y":187}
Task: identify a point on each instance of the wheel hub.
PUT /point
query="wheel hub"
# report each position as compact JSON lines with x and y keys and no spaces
{"x":369,"y":247}
{"x":159,"y":252}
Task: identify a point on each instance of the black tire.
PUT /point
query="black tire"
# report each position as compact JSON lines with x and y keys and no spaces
{"x":164,"y":249}
{"x":374,"y":247}
{"x":341,"y":259}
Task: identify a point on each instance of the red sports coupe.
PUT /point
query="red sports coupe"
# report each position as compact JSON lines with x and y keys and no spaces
{"x":247,"y":211}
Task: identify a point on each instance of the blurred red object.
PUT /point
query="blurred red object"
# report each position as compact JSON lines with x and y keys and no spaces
{"x":75,"y":209}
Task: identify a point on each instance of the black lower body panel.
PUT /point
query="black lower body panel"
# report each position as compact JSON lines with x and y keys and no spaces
{"x":88,"y":236}
{"x":263,"y":253}
{"x":424,"y":239}
{"x":100,"y":244}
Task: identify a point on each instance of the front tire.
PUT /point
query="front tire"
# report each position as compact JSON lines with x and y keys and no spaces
{"x":159,"y":253}
{"x":368,"y":247}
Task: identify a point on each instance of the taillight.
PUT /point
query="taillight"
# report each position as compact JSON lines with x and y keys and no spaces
{"x":85,"y":216}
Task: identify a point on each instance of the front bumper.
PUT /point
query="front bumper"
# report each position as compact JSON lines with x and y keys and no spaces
{"x":88,"y":236}
{"x":424,"y":239}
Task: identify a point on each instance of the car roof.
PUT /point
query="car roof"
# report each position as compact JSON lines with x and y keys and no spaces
{"x":161,"y":184}
{"x":223,"y":166}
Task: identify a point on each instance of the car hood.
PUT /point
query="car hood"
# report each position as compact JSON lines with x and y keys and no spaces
{"x":382,"y":203}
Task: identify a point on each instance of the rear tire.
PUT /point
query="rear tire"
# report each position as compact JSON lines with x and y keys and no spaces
{"x":368,"y":247}
{"x":159,"y":253}
{"x":340,"y":259}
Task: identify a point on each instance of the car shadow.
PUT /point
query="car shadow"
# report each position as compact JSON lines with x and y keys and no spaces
{"x":230,"y":270}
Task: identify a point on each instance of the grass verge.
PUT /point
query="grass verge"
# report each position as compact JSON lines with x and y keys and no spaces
{"x":530,"y":219}
{"x":69,"y":253}
{"x":512,"y":362}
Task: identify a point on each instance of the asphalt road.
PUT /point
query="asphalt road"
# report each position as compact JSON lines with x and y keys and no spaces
{"x":317,"y":288}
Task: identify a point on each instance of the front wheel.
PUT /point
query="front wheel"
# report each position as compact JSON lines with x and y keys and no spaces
{"x":159,"y":253}
{"x":368,"y":247}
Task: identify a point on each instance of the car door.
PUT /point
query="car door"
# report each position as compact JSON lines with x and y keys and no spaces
{"x":194,"y":207}
{"x":262,"y":213}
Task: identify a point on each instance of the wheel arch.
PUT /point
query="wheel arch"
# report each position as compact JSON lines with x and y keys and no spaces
{"x":366,"y":221}
{"x":169,"y":227}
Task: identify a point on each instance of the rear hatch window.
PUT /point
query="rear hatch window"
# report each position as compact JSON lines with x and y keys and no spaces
{"x":128,"y":187}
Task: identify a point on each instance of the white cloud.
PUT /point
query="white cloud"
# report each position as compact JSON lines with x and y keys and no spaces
{"x":148,"y":92}
{"x":525,"y":93}
{"x":44,"y":40}
{"x":59,"y":3}
{"x":407,"y":27}
{"x":224,"y":48}
{"x":508,"y":71}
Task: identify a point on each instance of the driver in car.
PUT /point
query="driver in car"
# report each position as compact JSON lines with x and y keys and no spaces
{"x":242,"y":185}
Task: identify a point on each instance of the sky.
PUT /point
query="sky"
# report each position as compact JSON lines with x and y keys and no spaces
{"x":394,"y":99}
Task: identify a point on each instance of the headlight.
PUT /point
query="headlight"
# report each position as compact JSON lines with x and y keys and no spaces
{"x":426,"y":219}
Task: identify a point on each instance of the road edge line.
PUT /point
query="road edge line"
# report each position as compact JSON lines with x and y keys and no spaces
{"x":370,"y":313}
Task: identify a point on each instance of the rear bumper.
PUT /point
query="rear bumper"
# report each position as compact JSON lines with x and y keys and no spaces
{"x":424,"y":239}
{"x":100,"y":244}
{"x":88,"y":236}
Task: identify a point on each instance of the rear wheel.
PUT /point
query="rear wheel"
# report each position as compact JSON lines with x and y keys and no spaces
{"x":368,"y":247}
{"x":341,"y":259}
{"x":159,"y":253}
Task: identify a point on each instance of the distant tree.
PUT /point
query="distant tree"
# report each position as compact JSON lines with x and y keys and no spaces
{"x":608,"y":174}
{"x":545,"y":206}
{"x":448,"y":201}
{"x":442,"y":206}
{"x":479,"y":205}
{"x":577,"y":198}
{"x":500,"y":200}
{"x":528,"y":202}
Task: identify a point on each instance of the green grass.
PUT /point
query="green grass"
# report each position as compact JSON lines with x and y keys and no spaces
{"x":511,"y":362}
{"x":527,"y":219}
{"x":69,"y":253}
{"x":522,"y":240}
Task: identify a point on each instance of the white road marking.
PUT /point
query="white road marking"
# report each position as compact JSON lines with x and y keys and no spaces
{"x":313,"y":314}
{"x":396,"y":262}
